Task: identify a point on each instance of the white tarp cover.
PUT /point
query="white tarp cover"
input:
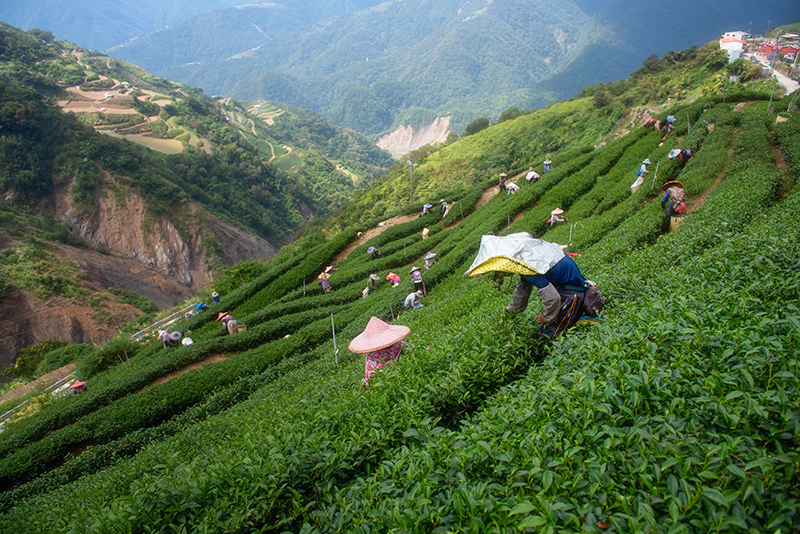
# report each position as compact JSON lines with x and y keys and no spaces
{"x":515,"y":253}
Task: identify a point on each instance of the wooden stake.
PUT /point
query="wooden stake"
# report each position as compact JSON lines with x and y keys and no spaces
{"x":335,"y":350}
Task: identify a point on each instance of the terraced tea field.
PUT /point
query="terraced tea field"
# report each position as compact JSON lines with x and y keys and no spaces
{"x":679,"y":413}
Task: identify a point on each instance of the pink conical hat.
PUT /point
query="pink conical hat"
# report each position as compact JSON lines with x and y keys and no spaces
{"x":378,"y":335}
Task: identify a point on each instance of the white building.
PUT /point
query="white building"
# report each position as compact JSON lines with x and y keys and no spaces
{"x":736,"y":35}
{"x":730,"y":43}
{"x":734,"y":47}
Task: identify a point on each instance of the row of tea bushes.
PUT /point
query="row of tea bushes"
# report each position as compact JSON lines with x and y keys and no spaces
{"x":100,"y":456}
{"x":699,"y":172}
{"x":342,"y":431}
{"x":307,"y":270}
{"x":671,"y":420}
{"x":788,"y":134}
{"x":118,"y":381}
{"x":158,"y":403}
{"x":576,"y":184}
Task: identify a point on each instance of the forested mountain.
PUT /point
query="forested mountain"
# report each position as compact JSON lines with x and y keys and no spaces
{"x":674,"y":411}
{"x":366,"y":69}
{"x":410,"y":61}
{"x":107,"y":171}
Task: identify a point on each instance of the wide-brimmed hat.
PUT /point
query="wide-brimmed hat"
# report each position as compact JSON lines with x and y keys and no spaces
{"x":77,"y":384}
{"x":548,"y":161}
{"x":646,"y":161}
{"x":324,"y":276}
{"x":378,"y":335}
{"x":441,"y":201}
{"x":667,"y":185}
{"x":221,"y":315}
{"x":329,"y":268}
{"x":430,"y":255}
{"x":426,"y":205}
{"x":187,"y":341}
{"x":375,"y":277}
{"x":557,"y":211}
{"x":175,"y":336}
{"x":419,"y":293}
{"x":503,"y":174}
{"x":413,"y":269}
{"x":214,"y":294}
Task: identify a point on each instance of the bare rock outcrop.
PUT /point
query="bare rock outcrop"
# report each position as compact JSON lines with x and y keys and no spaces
{"x":405,"y":139}
{"x":177,"y":246}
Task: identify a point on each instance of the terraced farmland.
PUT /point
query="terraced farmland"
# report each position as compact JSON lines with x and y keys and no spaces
{"x":678,"y":414}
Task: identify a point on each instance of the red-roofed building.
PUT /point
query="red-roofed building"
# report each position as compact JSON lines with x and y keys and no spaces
{"x":790,"y":51}
{"x":767,"y":49}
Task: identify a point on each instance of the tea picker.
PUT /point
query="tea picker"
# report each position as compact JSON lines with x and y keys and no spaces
{"x":416,"y":279}
{"x":430,"y":259}
{"x":543,"y":265}
{"x":381,"y":344}
{"x":674,"y":203}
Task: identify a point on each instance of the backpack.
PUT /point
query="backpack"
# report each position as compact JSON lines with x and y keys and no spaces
{"x":593,"y":301}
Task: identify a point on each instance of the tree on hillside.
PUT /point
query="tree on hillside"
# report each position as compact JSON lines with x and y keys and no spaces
{"x":509,"y":114}
{"x":476,"y":126}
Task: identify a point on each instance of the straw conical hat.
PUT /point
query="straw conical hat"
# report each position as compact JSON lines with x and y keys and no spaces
{"x":221,"y":315}
{"x":378,"y":335}
{"x":557,"y":211}
{"x":413,"y":269}
{"x":375,"y":277}
{"x":667,"y":185}
{"x":430,"y":255}
{"x":175,"y":336}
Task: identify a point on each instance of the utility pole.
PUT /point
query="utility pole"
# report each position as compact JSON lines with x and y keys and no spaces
{"x":412,"y":164}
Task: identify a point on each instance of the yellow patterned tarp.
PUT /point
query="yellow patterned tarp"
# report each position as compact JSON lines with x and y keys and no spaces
{"x":515,"y":253}
{"x":504,"y":264}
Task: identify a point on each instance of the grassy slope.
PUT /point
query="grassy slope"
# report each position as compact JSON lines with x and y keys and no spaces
{"x":679,"y":413}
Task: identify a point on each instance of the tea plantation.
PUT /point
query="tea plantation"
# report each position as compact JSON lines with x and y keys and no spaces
{"x":679,"y":413}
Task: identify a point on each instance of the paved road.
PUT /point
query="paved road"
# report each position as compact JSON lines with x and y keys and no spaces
{"x":790,"y":85}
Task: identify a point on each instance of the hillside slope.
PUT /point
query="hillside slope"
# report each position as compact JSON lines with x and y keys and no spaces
{"x":677,"y":413}
{"x":99,"y":154}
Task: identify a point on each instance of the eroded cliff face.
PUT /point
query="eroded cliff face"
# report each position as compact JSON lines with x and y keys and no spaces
{"x":405,"y":139}
{"x":176,"y":246}
{"x":165,"y":259}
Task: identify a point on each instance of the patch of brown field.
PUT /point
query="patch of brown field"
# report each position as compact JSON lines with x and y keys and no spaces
{"x":214,"y":358}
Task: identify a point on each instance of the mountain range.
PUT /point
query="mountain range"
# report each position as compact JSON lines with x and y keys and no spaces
{"x":374,"y":66}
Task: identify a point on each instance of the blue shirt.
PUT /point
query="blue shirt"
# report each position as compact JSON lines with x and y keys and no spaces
{"x":564,"y":272}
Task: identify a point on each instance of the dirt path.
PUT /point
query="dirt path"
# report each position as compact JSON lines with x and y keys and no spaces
{"x":486,"y":197}
{"x":700,"y":200}
{"x":214,"y":358}
{"x":369,"y":234}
